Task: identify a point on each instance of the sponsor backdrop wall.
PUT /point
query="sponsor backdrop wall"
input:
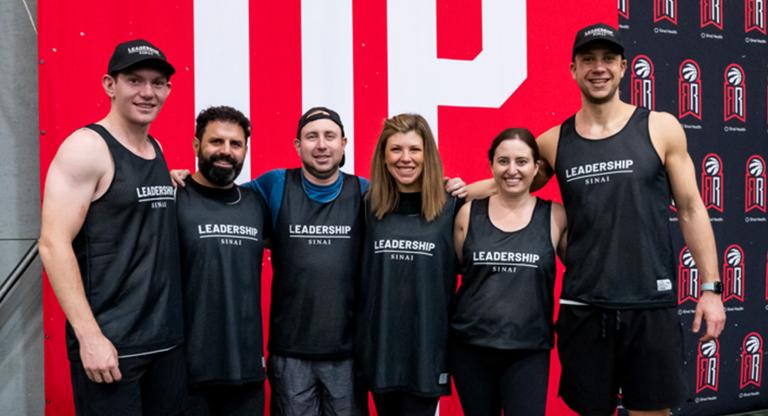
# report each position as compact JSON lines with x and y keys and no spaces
{"x":706,"y":61}
{"x":472,"y":67}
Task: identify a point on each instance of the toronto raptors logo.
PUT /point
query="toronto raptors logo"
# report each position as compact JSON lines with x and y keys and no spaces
{"x":643,"y":82}
{"x":665,"y":10}
{"x":689,"y":89}
{"x":754,"y":16}
{"x":712,"y":13}
{"x":688,"y":276}
{"x":712,"y":182}
{"x":624,"y":8}
{"x":733,"y":273}
{"x":708,"y":366}
{"x":734,"y":94}
{"x":751,"y":360}
{"x":754,"y":184}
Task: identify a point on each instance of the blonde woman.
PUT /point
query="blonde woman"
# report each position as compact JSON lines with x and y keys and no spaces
{"x":409,"y":272}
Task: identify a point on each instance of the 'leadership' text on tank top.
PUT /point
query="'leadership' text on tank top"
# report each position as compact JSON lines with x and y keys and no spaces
{"x":616,"y":196}
{"x":128,"y":255}
{"x":507,"y":293}
{"x":408,"y":284}
{"x":221,"y":235}
{"x":315,"y":255}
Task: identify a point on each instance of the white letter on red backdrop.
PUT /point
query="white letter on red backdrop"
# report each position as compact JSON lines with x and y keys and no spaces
{"x":419,"y":81}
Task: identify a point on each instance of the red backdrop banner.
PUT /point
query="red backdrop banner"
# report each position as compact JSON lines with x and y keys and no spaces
{"x":76,"y":39}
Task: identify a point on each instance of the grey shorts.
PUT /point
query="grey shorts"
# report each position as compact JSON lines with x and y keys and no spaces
{"x":314,"y":387}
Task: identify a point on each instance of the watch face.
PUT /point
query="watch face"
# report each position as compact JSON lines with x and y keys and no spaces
{"x":718,"y":287}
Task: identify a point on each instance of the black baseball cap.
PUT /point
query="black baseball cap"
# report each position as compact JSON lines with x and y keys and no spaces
{"x":138,"y":51}
{"x":599,"y":32}
{"x":320,"y":113}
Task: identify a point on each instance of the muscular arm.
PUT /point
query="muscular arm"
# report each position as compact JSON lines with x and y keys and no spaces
{"x":669,"y":139}
{"x":74,"y":178}
{"x":460,"y":225}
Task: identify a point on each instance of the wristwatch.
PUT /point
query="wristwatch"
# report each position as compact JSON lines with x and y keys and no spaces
{"x":716,"y":287}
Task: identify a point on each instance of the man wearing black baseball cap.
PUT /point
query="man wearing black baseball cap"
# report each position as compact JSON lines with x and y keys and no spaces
{"x":618,"y":166}
{"x":317,"y":232}
{"x":109,"y":246}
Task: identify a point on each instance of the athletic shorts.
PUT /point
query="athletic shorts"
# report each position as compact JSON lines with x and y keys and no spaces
{"x":153,"y":384}
{"x":314,"y":387}
{"x":604,"y":353}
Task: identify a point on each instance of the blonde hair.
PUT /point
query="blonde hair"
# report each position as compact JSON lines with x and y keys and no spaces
{"x":383,"y":193}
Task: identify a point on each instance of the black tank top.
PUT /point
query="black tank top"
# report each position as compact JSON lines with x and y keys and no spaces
{"x":221,"y":235}
{"x":409,"y":279}
{"x":507,"y":289}
{"x":616,"y":194}
{"x":128,"y":255}
{"x":315,"y":256}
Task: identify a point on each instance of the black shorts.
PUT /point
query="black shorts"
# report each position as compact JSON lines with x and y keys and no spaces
{"x":153,"y":384}
{"x":637,"y":353}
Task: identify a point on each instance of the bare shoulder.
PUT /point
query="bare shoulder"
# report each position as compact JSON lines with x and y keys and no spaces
{"x":463,"y":215}
{"x":84,"y":152}
{"x":665,"y":130}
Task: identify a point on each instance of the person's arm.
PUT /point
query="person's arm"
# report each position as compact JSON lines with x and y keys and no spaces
{"x":668,"y":135}
{"x":547,"y":143}
{"x":559,"y":229}
{"x":76,"y":177}
{"x":460,"y":225}
{"x":455,"y":186}
{"x":178,"y":176}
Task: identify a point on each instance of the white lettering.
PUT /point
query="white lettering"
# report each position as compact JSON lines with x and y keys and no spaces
{"x":486,"y":81}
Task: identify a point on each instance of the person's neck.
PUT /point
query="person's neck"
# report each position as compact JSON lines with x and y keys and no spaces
{"x":135,"y":135}
{"x":602,"y":114}
{"x":202,"y":180}
{"x":515,"y":202}
{"x":320,"y":181}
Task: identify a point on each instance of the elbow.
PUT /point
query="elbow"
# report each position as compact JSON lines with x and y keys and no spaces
{"x":692,"y":209}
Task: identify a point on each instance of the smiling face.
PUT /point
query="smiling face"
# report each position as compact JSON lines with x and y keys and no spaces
{"x":137,"y":95}
{"x":598,"y":70}
{"x":514,"y":167}
{"x":321,"y":148}
{"x":404,"y":158}
{"x":221,"y":153}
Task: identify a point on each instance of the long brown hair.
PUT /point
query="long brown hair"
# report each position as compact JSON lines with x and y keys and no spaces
{"x":383,"y":193}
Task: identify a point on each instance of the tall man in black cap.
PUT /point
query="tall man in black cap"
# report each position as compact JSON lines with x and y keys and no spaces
{"x":618,"y":166}
{"x":109,"y":245}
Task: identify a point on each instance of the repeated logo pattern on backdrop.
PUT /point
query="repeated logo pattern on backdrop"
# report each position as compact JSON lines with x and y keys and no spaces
{"x":716,"y":53}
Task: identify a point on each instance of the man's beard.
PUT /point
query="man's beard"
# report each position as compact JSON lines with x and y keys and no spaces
{"x":217,"y":175}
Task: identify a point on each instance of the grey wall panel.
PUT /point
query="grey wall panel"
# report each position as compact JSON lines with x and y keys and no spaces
{"x":21,"y":347}
{"x":19,"y":161}
{"x":11,"y":252}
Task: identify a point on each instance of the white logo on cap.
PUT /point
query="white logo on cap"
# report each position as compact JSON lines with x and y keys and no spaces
{"x":144,"y":50}
{"x":598,"y":31}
